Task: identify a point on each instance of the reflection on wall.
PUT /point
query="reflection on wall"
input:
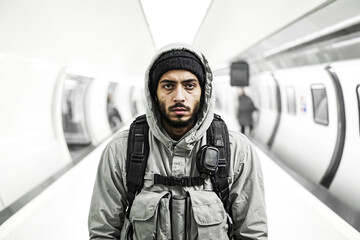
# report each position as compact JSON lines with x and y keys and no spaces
{"x":113,"y":114}
{"x":73,"y":114}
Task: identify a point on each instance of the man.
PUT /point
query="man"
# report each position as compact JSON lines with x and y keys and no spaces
{"x":179,"y":110}
{"x":113,"y":114}
{"x":245,"y":110}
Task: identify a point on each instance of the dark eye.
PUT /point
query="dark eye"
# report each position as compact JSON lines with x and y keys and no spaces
{"x":167,"y":86}
{"x":190,"y":85}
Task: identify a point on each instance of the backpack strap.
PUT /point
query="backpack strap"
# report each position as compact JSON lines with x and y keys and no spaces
{"x":137,"y":155}
{"x":218,"y":136}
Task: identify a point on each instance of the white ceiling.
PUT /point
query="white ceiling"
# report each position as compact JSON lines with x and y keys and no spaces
{"x":112,"y":37}
{"x":109,"y":37}
{"x":232,"y":26}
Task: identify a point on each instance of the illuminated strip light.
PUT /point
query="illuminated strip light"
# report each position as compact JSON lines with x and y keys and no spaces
{"x":311,"y":37}
{"x":172,"y":21}
{"x":345,"y":43}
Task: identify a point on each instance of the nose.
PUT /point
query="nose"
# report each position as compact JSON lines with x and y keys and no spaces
{"x":179,"y":95}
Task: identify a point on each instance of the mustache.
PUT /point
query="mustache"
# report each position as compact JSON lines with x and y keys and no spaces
{"x":179,"y":105}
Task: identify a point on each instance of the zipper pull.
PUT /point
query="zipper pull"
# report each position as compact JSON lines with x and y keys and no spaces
{"x":171,"y":146}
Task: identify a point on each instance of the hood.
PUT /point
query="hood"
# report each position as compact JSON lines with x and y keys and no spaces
{"x":206,"y":113}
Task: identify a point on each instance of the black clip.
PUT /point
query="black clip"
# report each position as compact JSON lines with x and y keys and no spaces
{"x":178,"y":181}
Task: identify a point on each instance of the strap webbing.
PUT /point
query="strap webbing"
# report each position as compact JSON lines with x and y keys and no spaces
{"x":137,"y":155}
{"x":218,"y":136}
{"x":174,"y":181}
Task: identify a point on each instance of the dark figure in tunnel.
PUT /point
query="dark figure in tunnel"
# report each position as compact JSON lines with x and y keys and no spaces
{"x":245,"y":111}
{"x":114,"y":117}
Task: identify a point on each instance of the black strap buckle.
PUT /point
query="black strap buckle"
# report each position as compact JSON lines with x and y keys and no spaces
{"x":179,"y":181}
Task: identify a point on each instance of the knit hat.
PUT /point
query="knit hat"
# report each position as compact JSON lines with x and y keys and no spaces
{"x":172,"y":60}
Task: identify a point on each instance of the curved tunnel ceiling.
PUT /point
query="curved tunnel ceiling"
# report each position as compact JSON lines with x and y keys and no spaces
{"x":231,"y":27}
{"x":107,"y":37}
{"x":113,"y":37}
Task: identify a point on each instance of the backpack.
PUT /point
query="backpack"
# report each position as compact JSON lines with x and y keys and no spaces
{"x":138,"y":152}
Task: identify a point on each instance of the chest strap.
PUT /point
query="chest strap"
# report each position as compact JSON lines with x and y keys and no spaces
{"x":174,"y":181}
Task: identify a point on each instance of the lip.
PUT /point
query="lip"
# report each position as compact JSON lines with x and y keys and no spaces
{"x":175,"y":109}
{"x":179,"y":110}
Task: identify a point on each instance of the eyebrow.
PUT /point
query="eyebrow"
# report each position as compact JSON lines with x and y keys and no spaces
{"x":185,"y":81}
{"x":167,"y":81}
{"x":190,"y":80}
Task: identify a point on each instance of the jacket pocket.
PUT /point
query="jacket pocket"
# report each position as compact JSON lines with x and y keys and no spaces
{"x":209,"y":216}
{"x":148,"y":217}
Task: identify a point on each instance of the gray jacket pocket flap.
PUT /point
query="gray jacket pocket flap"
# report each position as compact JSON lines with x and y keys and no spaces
{"x":145,"y":205}
{"x":207,"y":208}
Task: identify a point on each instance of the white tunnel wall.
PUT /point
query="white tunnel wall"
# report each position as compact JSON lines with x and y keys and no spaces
{"x":122,"y":102}
{"x":226,"y":104}
{"x":300,"y":127}
{"x":263,"y":91}
{"x":95,"y":111}
{"x":347,"y":179}
{"x":32,"y":144}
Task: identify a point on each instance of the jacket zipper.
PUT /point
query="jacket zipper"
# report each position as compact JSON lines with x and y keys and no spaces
{"x":171,"y":148}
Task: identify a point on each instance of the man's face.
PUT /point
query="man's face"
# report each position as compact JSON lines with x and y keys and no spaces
{"x":178,"y":94}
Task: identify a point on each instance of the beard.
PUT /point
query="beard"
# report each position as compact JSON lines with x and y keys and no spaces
{"x":179,"y":123}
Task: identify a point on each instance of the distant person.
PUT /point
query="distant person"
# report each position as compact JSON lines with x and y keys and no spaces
{"x":245,"y":111}
{"x":114,"y":117}
{"x":178,"y":173}
{"x":68,"y":122}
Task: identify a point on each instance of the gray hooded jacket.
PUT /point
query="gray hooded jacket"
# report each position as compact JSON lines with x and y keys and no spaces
{"x":150,"y":215}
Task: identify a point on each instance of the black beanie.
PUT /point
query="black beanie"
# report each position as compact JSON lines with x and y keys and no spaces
{"x":172,"y":60}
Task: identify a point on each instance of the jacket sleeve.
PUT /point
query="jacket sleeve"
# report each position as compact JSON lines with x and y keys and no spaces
{"x":108,"y":203}
{"x":247,"y":194}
